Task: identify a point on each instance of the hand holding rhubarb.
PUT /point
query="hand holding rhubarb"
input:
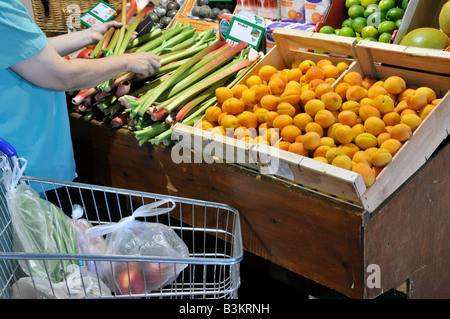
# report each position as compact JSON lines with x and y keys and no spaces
{"x":143,"y":64}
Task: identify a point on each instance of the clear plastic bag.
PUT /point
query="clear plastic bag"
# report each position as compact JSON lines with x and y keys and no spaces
{"x":80,"y":283}
{"x":140,"y":238}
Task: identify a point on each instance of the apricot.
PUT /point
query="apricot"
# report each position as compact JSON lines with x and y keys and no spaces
{"x":301,"y":119}
{"x":321,"y":159}
{"x":366,"y":172}
{"x":358,"y":129}
{"x":407,"y":111}
{"x":431,"y":95}
{"x":426,"y":110}
{"x":331,"y":130}
{"x":342,"y":161}
{"x":332,"y":153}
{"x":349,"y":149}
{"x":342,"y":66}
{"x":218,"y":130}
{"x":271,"y":135}
{"x":374,"y":125}
{"x":366,"y":111}
{"x":307,"y":95}
{"x":266,"y":72}
{"x":221,"y":116}
{"x":286,"y":108}
{"x":356,"y":93}
{"x":248,"y":119}
{"x":294,"y":74}
{"x":407,"y":92}
{"x":314,"y":127}
{"x":343,"y":134}
{"x":391,"y":118}
{"x":384,"y":136}
{"x":314,"y":83}
{"x":269,"y":117}
{"x":321,"y":151}
{"x":401,"y":132}
{"x":328,"y":141}
{"x":233,"y":106}
{"x":212,"y":113}
{"x":361,"y":156}
{"x":331,"y":100}
{"x":350,"y":106}
{"x":417,"y":100}
{"x":291,"y":96}
{"x":348,"y":118}
{"x":290,"y":132}
{"x":374,"y":91}
{"x":341,"y":89}
{"x":249,"y":97}
{"x":237,"y":90}
{"x":392,"y":145}
{"x":324,"y":118}
{"x":305,"y":65}
{"x":380,"y":157}
{"x":260,"y":113}
{"x":270,"y":102}
{"x":383,"y":103}
{"x":366,"y":140}
{"x":253,"y":80}
{"x":294,"y":85}
{"x":223,"y":93}
{"x":330,"y":71}
{"x":311,"y":141}
{"x":313,"y":106}
{"x":436,"y":102}
{"x":260,"y":91}
{"x":276,"y":85}
{"x":280,"y":75}
{"x":323,"y":88}
{"x":229,"y":121}
{"x":283,"y":145}
{"x":298,"y":148}
{"x":281,"y":121}
{"x":412,"y":120}
{"x":394,"y":84}
{"x":241,"y":131}
{"x":402,"y":105}
{"x":314,"y":72}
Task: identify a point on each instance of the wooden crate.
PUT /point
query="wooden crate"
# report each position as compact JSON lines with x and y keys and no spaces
{"x":419,"y":67}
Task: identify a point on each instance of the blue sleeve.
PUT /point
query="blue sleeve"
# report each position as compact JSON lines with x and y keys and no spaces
{"x":20,"y":37}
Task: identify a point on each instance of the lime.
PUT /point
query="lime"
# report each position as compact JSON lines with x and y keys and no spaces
{"x":371,"y":9}
{"x":404,"y":4}
{"x":347,"y":23}
{"x":385,"y":5}
{"x":394,"y":14}
{"x":370,"y":39}
{"x":387,"y":27}
{"x":356,"y":11}
{"x":398,"y":22}
{"x":349,"y":3}
{"x":359,"y":23}
{"x":347,"y":32}
{"x":327,"y":29}
{"x":369,"y":32}
{"x":375,"y":19}
{"x":337,"y":31}
{"x":385,"y":37}
{"x":367,"y":3}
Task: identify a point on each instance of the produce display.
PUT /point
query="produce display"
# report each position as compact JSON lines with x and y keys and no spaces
{"x":211,"y":10}
{"x":162,"y":14}
{"x":358,"y":124}
{"x":373,"y":20}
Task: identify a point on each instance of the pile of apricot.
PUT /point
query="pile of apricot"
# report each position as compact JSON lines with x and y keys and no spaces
{"x":315,"y":109}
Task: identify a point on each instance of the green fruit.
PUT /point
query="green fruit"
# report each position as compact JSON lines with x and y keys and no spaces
{"x":347,"y":23}
{"x":375,"y":19}
{"x":337,"y":31}
{"x":444,"y":18}
{"x":369,"y":32}
{"x":359,"y":23}
{"x":385,"y":5}
{"x":349,"y":3}
{"x":371,"y":9}
{"x":385,"y":37}
{"x":387,"y":27}
{"x":394,"y":14}
{"x":356,"y":11}
{"x":371,"y":39}
{"x":347,"y":32}
{"x":426,"y":38}
{"x":404,"y":4}
{"x":398,"y":22}
{"x":366,"y":3}
{"x":327,"y":29}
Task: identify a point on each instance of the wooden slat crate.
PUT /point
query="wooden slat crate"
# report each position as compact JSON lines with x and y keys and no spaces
{"x":418,"y":67}
{"x":61,"y":11}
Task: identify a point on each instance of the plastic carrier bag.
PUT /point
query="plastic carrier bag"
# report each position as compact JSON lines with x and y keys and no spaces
{"x":39,"y":227}
{"x":80,"y":283}
{"x":141,"y":238}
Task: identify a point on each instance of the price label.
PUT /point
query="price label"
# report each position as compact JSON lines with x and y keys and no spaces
{"x":100,"y":13}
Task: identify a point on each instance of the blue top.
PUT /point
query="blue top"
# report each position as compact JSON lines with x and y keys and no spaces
{"x":33,"y":120}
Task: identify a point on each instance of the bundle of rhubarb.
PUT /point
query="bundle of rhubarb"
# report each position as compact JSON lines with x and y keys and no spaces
{"x":193,"y":65}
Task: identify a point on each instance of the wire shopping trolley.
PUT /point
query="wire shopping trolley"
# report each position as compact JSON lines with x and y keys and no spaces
{"x":210,"y":231}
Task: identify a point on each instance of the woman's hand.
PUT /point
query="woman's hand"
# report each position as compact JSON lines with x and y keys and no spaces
{"x":99,"y":30}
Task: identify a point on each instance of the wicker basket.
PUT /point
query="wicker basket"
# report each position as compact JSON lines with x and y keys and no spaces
{"x":61,"y":13}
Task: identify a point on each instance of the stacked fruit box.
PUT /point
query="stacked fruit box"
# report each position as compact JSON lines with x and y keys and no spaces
{"x":417,"y":67}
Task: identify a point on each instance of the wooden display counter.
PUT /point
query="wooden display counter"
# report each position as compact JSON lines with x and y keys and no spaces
{"x":335,"y":243}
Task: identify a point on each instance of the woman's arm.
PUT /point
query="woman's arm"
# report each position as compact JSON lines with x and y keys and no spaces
{"x":67,"y":43}
{"x":49,"y":70}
